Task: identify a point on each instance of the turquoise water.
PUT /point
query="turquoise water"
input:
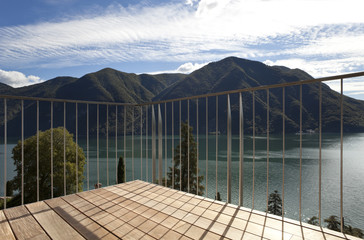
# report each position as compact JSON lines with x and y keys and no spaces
{"x":353,"y":170}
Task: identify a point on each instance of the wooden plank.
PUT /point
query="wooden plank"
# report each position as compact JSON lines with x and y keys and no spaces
{"x":105,"y":219}
{"x":83,"y":224}
{"x":5,"y":230}
{"x":23,"y":224}
{"x":52,"y":223}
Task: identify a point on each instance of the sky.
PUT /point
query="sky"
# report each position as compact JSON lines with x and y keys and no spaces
{"x":43,"y":39}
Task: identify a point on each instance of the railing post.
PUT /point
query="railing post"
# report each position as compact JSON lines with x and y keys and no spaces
{"x":217,"y":143}
{"x":88,"y":145}
{"x":141,"y":142}
{"x":207,"y":143}
{"x":188,"y":146}
{"x":172,"y":145}
{"x":76,"y":148}
{"x":37,"y":152}
{"x":165,"y":145}
{"x":160,"y":146}
{"x":5,"y":150}
{"x":97,"y":144}
{"x":146,"y":144}
{"x":341,"y":154}
{"x":64,"y":149}
{"x":197,"y":146}
{"x":241,"y":150}
{"x":22,"y":152}
{"x":116,"y":144}
{"x":132,"y":143}
{"x":267,"y":148}
{"x":253,"y":200}
{"x":153,"y":147}
{"x":124,"y":144}
{"x":228,"y":150}
{"x":107,"y":145}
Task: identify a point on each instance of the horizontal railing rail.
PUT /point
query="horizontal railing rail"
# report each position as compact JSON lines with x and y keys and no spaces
{"x":159,"y":127}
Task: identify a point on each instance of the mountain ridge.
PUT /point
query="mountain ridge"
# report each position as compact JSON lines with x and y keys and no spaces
{"x":232,"y":73}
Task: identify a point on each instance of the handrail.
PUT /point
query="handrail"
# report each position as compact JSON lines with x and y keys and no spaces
{"x":264,"y":87}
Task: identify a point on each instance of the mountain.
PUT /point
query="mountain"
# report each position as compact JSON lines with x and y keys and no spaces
{"x":234,"y":73}
{"x":109,"y":85}
{"x":106,"y":85}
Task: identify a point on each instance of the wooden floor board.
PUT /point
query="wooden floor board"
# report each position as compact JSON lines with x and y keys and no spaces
{"x":52,"y":223}
{"x":82,"y":223}
{"x":24,"y":224}
{"x":5,"y":230}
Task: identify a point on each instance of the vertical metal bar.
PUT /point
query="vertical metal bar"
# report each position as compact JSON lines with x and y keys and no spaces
{"x":180,"y":146}
{"x":241,"y":150}
{"x":165,"y":144}
{"x":64,"y":149}
{"x":37,"y":151}
{"x":76,"y":148}
{"x":87,"y":146}
{"x":146,"y":144}
{"x":207,"y":143}
{"x":217,"y":141}
{"x":132,"y":143}
{"x":124,"y":144}
{"x":320,"y":147}
{"x":267,"y":148}
{"x":107,"y":145}
{"x":341,"y":154}
{"x":51,"y":149}
{"x":253,"y":191}
{"x":97,"y":143}
{"x":153,"y":147}
{"x":160,"y":147}
{"x":22,"y":152}
{"x":228,"y":200}
{"x":188,"y":146}
{"x":172,"y":145}
{"x":197,"y":145}
{"x":141,"y":142}
{"x":116,"y":143}
{"x":5,"y":150}
{"x":283,"y":146}
{"x":300,"y":194}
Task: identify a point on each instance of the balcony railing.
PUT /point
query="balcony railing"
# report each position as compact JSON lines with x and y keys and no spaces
{"x":146,"y":135}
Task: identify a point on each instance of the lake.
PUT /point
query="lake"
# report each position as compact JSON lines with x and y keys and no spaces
{"x":353,"y":170}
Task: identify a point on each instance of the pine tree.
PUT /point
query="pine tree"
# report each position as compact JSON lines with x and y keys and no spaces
{"x":121,"y":171}
{"x":186,"y":133}
{"x":275,"y":203}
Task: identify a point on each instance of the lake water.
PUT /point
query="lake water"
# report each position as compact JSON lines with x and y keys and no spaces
{"x":353,"y":170}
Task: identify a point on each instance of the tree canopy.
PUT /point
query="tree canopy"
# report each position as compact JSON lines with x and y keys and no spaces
{"x":186,"y":133}
{"x":30,"y":166}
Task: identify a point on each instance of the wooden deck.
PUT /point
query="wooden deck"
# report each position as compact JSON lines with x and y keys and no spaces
{"x":140,"y":210}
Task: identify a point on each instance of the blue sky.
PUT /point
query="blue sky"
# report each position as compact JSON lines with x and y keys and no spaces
{"x":43,"y":39}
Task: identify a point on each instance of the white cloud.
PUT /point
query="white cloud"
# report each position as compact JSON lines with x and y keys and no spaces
{"x":194,"y":31}
{"x":18,"y":79}
{"x":190,"y":67}
{"x":185,"y":68}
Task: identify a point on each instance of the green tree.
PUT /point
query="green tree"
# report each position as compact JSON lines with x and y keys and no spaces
{"x":275,"y":203}
{"x":30,"y":166}
{"x":333,"y":223}
{"x":218,"y":197}
{"x":313,"y":221}
{"x":121,"y":170}
{"x":186,"y":133}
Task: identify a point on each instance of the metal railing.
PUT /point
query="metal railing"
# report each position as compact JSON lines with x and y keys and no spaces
{"x":152,"y":121}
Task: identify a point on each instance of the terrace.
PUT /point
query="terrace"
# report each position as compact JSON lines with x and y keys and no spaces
{"x":142,"y":209}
